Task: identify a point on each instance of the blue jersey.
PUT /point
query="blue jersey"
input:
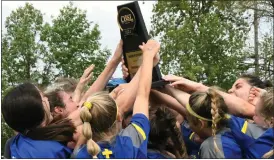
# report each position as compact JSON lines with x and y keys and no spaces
{"x":130,"y":143}
{"x":236,"y":123}
{"x":191,"y":146}
{"x":154,"y":154}
{"x":226,"y":143}
{"x":254,"y":140}
{"x":24,"y":147}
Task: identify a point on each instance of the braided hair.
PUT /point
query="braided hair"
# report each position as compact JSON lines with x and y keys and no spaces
{"x":164,"y":134}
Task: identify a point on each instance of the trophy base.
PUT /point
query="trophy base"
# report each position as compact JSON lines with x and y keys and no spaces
{"x":159,"y":84}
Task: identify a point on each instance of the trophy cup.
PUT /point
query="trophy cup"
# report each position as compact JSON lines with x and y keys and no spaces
{"x":133,"y":33}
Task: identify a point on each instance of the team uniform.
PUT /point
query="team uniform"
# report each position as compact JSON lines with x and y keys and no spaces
{"x":24,"y":147}
{"x":254,"y":140}
{"x":191,"y":146}
{"x":155,"y":154}
{"x":131,"y":142}
{"x":228,"y":148}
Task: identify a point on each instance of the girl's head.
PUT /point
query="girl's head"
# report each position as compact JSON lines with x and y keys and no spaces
{"x":26,"y":110}
{"x":61,"y":99}
{"x":100,"y":115}
{"x":25,"y":107}
{"x":164,"y":134}
{"x":206,"y":110}
{"x":242,"y":86}
{"x":264,"y":110}
{"x":68,"y":84}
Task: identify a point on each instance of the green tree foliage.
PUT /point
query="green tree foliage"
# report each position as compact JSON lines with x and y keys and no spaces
{"x":39,"y":52}
{"x":20,"y":47}
{"x":20,"y":52}
{"x":203,"y":40}
{"x":264,"y":8}
{"x":263,"y":11}
{"x":6,"y":133}
{"x":267,"y":58}
{"x":73,"y":43}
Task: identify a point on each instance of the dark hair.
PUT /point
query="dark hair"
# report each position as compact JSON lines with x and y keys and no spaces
{"x":256,"y":81}
{"x":127,"y":114}
{"x":60,"y":85}
{"x":23,"y":111}
{"x":54,"y":98}
{"x":163,"y":129}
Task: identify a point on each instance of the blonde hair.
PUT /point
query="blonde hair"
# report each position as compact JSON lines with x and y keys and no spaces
{"x":67,"y":84}
{"x":268,"y":104}
{"x":215,"y":104}
{"x":268,"y":112}
{"x":99,"y":119}
{"x":211,"y":107}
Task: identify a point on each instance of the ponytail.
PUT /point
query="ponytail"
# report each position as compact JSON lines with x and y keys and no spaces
{"x":176,"y":137}
{"x":163,"y":126}
{"x":92,"y":147}
{"x":59,"y":129}
{"x":200,"y":103}
{"x":215,"y":104}
{"x":24,"y":111}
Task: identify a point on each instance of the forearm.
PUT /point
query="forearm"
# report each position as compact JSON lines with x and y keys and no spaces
{"x":201,"y":88}
{"x":238,"y":106}
{"x":145,"y":78}
{"x":170,"y":102}
{"x":181,"y":96}
{"x":103,"y":78}
{"x":141,"y":103}
{"x":77,"y":93}
{"x":127,"y":98}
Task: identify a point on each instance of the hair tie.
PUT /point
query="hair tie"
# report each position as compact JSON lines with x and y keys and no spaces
{"x":227,"y":116}
{"x":88,"y":105}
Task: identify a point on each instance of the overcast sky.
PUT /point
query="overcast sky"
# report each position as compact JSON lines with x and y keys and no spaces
{"x":103,"y":13}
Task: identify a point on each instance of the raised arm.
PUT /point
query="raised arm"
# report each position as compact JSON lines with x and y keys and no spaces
{"x":104,"y":77}
{"x":169,"y":101}
{"x":125,"y":94}
{"x":150,"y":49}
{"x":236,"y":106}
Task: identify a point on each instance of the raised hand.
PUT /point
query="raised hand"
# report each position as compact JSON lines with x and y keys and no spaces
{"x":255,"y":94}
{"x":118,"y":52}
{"x":145,"y":48}
{"x":124,"y":69}
{"x":184,"y":84}
{"x":86,"y":77}
{"x":150,"y":49}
